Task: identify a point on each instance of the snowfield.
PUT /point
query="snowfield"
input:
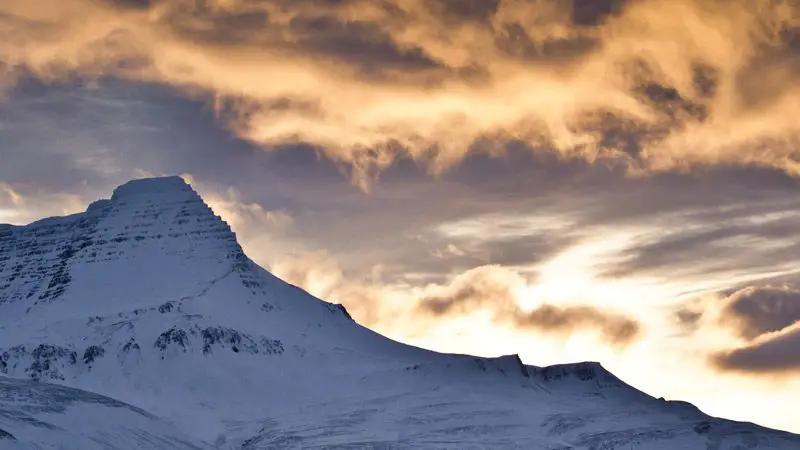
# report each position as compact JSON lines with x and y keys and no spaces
{"x":43,"y":415}
{"x":142,"y":324}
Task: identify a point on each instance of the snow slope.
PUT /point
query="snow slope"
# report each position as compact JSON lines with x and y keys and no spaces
{"x":42,"y":415}
{"x":148,"y":299}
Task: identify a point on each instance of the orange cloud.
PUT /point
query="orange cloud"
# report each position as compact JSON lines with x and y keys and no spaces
{"x":662,"y":85}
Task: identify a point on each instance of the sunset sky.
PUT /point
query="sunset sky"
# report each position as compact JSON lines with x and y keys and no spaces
{"x":602,"y":180}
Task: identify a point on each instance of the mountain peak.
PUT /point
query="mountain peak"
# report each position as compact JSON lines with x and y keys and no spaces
{"x":153,"y":186}
{"x":153,"y":229}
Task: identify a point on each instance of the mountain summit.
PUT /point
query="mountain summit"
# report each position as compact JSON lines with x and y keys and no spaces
{"x":146,"y":305}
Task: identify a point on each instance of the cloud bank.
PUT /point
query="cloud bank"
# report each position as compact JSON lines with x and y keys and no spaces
{"x":776,"y":354}
{"x":768,"y":317}
{"x":656,"y":85}
{"x":754,"y":311}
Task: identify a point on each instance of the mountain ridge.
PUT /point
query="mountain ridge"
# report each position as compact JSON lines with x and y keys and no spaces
{"x":148,"y":298}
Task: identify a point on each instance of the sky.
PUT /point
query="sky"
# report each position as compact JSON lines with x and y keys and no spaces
{"x":603,"y":180}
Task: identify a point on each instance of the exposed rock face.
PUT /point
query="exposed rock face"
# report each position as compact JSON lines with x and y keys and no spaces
{"x":584,"y":371}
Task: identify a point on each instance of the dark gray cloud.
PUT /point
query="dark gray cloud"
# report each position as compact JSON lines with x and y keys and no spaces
{"x":707,"y":247}
{"x":594,"y":12}
{"x":218,"y":26}
{"x":75,"y":137}
{"x":514,"y":41}
{"x":778,"y":355}
{"x":701,"y":236}
{"x":755,"y":311}
{"x":669,"y":102}
{"x":137,"y":4}
{"x":466,"y":10}
{"x":705,"y":79}
{"x":363,"y":43}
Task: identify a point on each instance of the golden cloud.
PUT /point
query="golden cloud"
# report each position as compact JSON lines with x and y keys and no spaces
{"x":497,"y":290}
{"x":662,"y":85}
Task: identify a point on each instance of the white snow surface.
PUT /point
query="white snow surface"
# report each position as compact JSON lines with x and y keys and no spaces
{"x":43,"y":415}
{"x":147,"y":299}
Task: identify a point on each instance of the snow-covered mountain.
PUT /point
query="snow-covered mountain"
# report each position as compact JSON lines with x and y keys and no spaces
{"x":148,"y":299}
